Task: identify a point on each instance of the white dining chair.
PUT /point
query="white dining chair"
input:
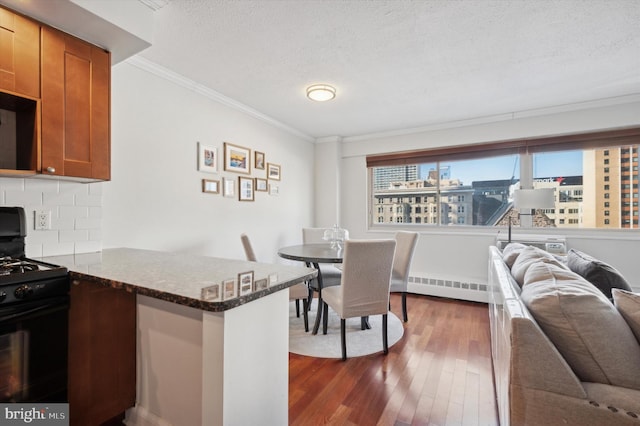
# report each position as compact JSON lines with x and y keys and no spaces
{"x":330,"y":274}
{"x":297,"y":292}
{"x":364,"y":289}
{"x":405,"y":246}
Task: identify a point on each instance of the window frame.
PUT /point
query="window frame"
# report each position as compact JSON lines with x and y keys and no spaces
{"x":524,"y":147}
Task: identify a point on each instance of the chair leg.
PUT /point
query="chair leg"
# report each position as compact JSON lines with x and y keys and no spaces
{"x":385,"y":341}
{"x":404,"y":306}
{"x":325,"y":318}
{"x":305,"y":315}
{"x":297,"y":308}
{"x":343,"y":338}
{"x":364,"y":323}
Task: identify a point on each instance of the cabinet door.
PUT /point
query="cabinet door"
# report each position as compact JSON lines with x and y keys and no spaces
{"x":75,"y":107}
{"x":19,"y":54}
{"x":102,"y":353}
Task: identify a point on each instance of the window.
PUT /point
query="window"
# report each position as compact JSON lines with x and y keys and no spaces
{"x":474,"y":185}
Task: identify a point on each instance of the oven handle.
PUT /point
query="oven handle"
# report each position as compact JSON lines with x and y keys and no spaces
{"x":31,"y":309}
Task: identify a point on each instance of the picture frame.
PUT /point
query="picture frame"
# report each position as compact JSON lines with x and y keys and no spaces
{"x":212,"y":293}
{"x":207,"y":158}
{"x":258,"y":163}
{"x":260,"y":284}
{"x":211,"y":186}
{"x":229,"y":187}
{"x":245,"y":283}
{"x":273,"y":171}
{"x":237,"y":158}
{"x":261,"y":185}
{"x":229,"y":289}
{"x":274,"y":189}
{"x":245,"y":189}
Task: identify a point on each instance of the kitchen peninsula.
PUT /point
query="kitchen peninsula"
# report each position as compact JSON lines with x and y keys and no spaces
{"x":198,"y":362}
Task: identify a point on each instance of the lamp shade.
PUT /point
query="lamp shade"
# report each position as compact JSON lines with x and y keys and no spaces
{"x":542,"y":198}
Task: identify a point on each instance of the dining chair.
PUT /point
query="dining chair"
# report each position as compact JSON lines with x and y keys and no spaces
{"x":405,"y":246}
{"x":364,"y":289}
{"x":330,"y":274}
{"x":297,"y":292}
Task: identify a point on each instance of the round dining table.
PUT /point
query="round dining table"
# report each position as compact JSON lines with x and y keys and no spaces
{"x":314,"y":254}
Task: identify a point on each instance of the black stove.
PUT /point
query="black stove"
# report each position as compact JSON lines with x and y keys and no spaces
{"x":21,"y":278}
{"x":34,"y":317}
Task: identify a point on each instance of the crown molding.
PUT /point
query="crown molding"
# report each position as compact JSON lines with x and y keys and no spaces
{"x":598,"y":103}
{"x":189,"y":84}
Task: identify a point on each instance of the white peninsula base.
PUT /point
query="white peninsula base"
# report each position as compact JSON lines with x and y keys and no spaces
{"x":212,"y":368}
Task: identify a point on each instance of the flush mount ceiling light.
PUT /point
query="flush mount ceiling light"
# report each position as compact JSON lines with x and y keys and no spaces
{"x":321,"y":92}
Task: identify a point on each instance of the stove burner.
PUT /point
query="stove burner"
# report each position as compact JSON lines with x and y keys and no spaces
{"x":9,"y":266}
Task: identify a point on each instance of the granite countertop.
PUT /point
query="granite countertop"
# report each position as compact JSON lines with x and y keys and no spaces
{"x":178,"y":277}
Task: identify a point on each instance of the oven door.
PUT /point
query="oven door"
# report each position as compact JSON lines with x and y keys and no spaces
{"x":33,"y":351}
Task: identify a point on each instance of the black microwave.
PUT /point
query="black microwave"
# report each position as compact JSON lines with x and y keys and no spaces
{"x":18,"y":133}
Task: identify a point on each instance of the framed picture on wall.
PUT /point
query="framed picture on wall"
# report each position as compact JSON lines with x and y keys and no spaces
{"x":237,"y":158}
{"x":211,"y":186}
{"x":273,"y":171}
{"x":229,"y":187}
{"x":207,"y":158}
{"x":259,"y":160}
{"x":245,"y":189}
{"x":261,"y":185}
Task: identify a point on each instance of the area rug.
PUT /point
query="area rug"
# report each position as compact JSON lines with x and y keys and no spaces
{"x":359,"y":342}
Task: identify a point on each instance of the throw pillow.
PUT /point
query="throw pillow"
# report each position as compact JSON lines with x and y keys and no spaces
{"x":628,"y":304}
{"x":598,"y":273}
{"x":584,"y":326}
{"x":528,"y":257}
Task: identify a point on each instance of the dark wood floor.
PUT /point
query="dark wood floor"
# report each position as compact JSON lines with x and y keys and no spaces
{"x":439,"y":373}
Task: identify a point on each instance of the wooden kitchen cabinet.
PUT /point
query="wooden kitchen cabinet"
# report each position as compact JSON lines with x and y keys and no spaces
{"x":75,"y":97}
{"x":19,"y":54}
{"x":102,"y":352}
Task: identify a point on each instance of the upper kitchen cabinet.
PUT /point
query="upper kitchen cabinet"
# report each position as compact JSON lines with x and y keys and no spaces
{"x":19,"y":54}
{"x":75,"y":105}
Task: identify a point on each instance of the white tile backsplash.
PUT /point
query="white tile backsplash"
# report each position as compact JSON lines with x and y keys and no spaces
{"x":76,"y":214}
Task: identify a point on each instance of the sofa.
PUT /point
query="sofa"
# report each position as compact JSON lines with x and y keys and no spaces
{"x":565,"y":349}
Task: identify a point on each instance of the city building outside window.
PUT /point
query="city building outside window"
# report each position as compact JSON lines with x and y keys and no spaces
{"x":474,"y":186}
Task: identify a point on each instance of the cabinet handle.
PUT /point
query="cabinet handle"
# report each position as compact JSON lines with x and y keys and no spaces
{"x":51,"y":169}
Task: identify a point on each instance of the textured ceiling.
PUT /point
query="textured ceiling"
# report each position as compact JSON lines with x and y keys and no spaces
{"x":401,"y":64}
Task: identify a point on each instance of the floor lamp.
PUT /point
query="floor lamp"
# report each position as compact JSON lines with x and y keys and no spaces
{"x":530,"y":200}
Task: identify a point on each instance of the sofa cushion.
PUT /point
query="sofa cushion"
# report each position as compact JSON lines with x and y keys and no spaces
{"x":528,"y":257}
{"x":598,"y":273}
{"x":628,"y":305}
{"x":511,"y":252}
{"x":583,"y":324}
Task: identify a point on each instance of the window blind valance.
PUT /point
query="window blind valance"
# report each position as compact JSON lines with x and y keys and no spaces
{"x":591,"y":140}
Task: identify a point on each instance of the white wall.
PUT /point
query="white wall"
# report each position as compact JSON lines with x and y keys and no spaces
{"x":154,"y":200}
{"x":461,"y":253}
